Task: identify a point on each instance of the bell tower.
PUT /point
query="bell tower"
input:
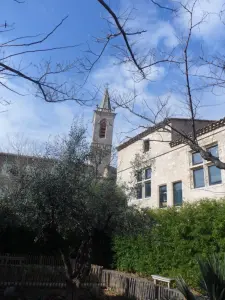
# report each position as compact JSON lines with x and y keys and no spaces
{"x":102,"y":137}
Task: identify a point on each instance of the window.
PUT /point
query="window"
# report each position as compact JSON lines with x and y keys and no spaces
{"x":177,"y":193}
{"x":102,"y":130}
{"x":148,"y":173}
{"x":214,"y":150}
{"x":163,"y":196}
{"x":143,"y":187}
{"x":198,"y":175}
{"x":196,"y":158}
{"x":147,"y":189}
{"x":214,"y":175}
{"x":139,"y":184}
{"x":139,"y":176}
{"x":139,"y":190}
{"x":146,"y":145}
{"x":203,"y":170}
{"x":198,"y":172}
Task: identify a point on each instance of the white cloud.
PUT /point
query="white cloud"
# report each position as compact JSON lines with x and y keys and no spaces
{"x":162,"y":34}
{"x":33,"y":119}
{"x":147,"y":17}
{"x":124,"y":77}
{"x":123,"y":83}
{"x":210,"y":10}
{"x":164,"y":31}
{"x":36,"y":120}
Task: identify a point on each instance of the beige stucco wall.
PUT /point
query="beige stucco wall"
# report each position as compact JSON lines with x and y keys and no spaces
{"x":170,"y":165}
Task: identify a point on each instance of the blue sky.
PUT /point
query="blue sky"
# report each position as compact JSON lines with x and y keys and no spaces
{"x":28,"y":118}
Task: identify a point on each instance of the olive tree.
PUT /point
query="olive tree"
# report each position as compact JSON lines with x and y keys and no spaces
{"x":60,"y":198}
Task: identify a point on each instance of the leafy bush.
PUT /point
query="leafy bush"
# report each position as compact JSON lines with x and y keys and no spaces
{"x":176,"y":239}
{"x":211,"y":279}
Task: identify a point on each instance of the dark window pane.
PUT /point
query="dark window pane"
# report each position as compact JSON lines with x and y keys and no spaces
{"x":139,"y":175}
{"x":148,"y":189}
{"x":177,"y":193}
{"x":214,"y":150}
{"x":214,"y":175}
{"x":148,"y":173}
{"x":198,"y":178}
{"x":139,"y":191}
{"x":146,"y":145}
{"x":163,"y":195}
{"x":196,"y":158}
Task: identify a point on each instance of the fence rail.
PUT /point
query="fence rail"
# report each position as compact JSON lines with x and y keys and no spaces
{"x":36,"y":271}
{"x":13,"y":259}
{"x":135,"y":287}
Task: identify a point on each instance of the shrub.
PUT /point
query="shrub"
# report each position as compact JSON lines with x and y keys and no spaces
{"x":176,"y":238}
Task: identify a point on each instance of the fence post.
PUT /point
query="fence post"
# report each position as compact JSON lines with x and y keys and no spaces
{"x":40,"y":260}
{"x":156,"y":292}
{"x":126,"y":290}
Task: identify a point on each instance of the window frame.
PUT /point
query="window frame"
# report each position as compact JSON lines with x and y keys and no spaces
{"x":148,"y":178}
{"x":161,"y":203}
{"x":210,"y":182}
{"x":213,"y":146}
{"x":197,"y":169}
{"x":205,"y":165}
{"x":146,"y":182}
{"x":143,"y":180}
{"x":139,"y":172}
{"x":174,"y":183}
{"x":141,"y":192}
{"x":192,"y":159}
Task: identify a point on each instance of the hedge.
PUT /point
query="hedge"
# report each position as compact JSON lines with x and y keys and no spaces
{"x":176,"y":238}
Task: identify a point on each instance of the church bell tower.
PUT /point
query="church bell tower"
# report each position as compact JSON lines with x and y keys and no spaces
{"x":102,"y":137}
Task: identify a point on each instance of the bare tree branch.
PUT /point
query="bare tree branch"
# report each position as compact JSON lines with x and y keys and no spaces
{"x":38,"y":50}
{"x":164,"y":7}
{"x":45,"y":81}
{"x":124,"y":34}
{"x":36,"y":42}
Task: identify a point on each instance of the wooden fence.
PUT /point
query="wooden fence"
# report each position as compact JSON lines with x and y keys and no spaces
{"x":136,"y":287}
{"x":13,"y":259}
{"x":49,"y":272}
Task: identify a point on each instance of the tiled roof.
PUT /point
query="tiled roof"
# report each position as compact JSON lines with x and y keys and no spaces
{"x":214,"y":125}
{"x":23,"y":156}
{"x":142,"y":135}
{"x":208,"y":128}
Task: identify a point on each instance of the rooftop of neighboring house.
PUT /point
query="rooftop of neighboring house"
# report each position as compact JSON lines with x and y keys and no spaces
{"x":183,"y":125}
{"x":23,"y":159}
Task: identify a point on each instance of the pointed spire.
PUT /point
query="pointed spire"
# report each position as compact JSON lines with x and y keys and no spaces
{"x":105,"y":104}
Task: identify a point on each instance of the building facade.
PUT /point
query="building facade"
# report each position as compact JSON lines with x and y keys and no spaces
{"x":161,"y":171}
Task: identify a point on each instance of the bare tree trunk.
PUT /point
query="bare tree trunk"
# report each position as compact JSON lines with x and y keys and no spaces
{"x":76,"y":274}
{"x":71,"y":287}
{"x":71,"y":290}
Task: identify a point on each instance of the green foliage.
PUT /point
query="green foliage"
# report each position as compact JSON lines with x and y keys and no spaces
{"x":176,"y":239}
{"x":12,"y":234}
{"x":211,"y":279}
{"x":60,"y":198}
